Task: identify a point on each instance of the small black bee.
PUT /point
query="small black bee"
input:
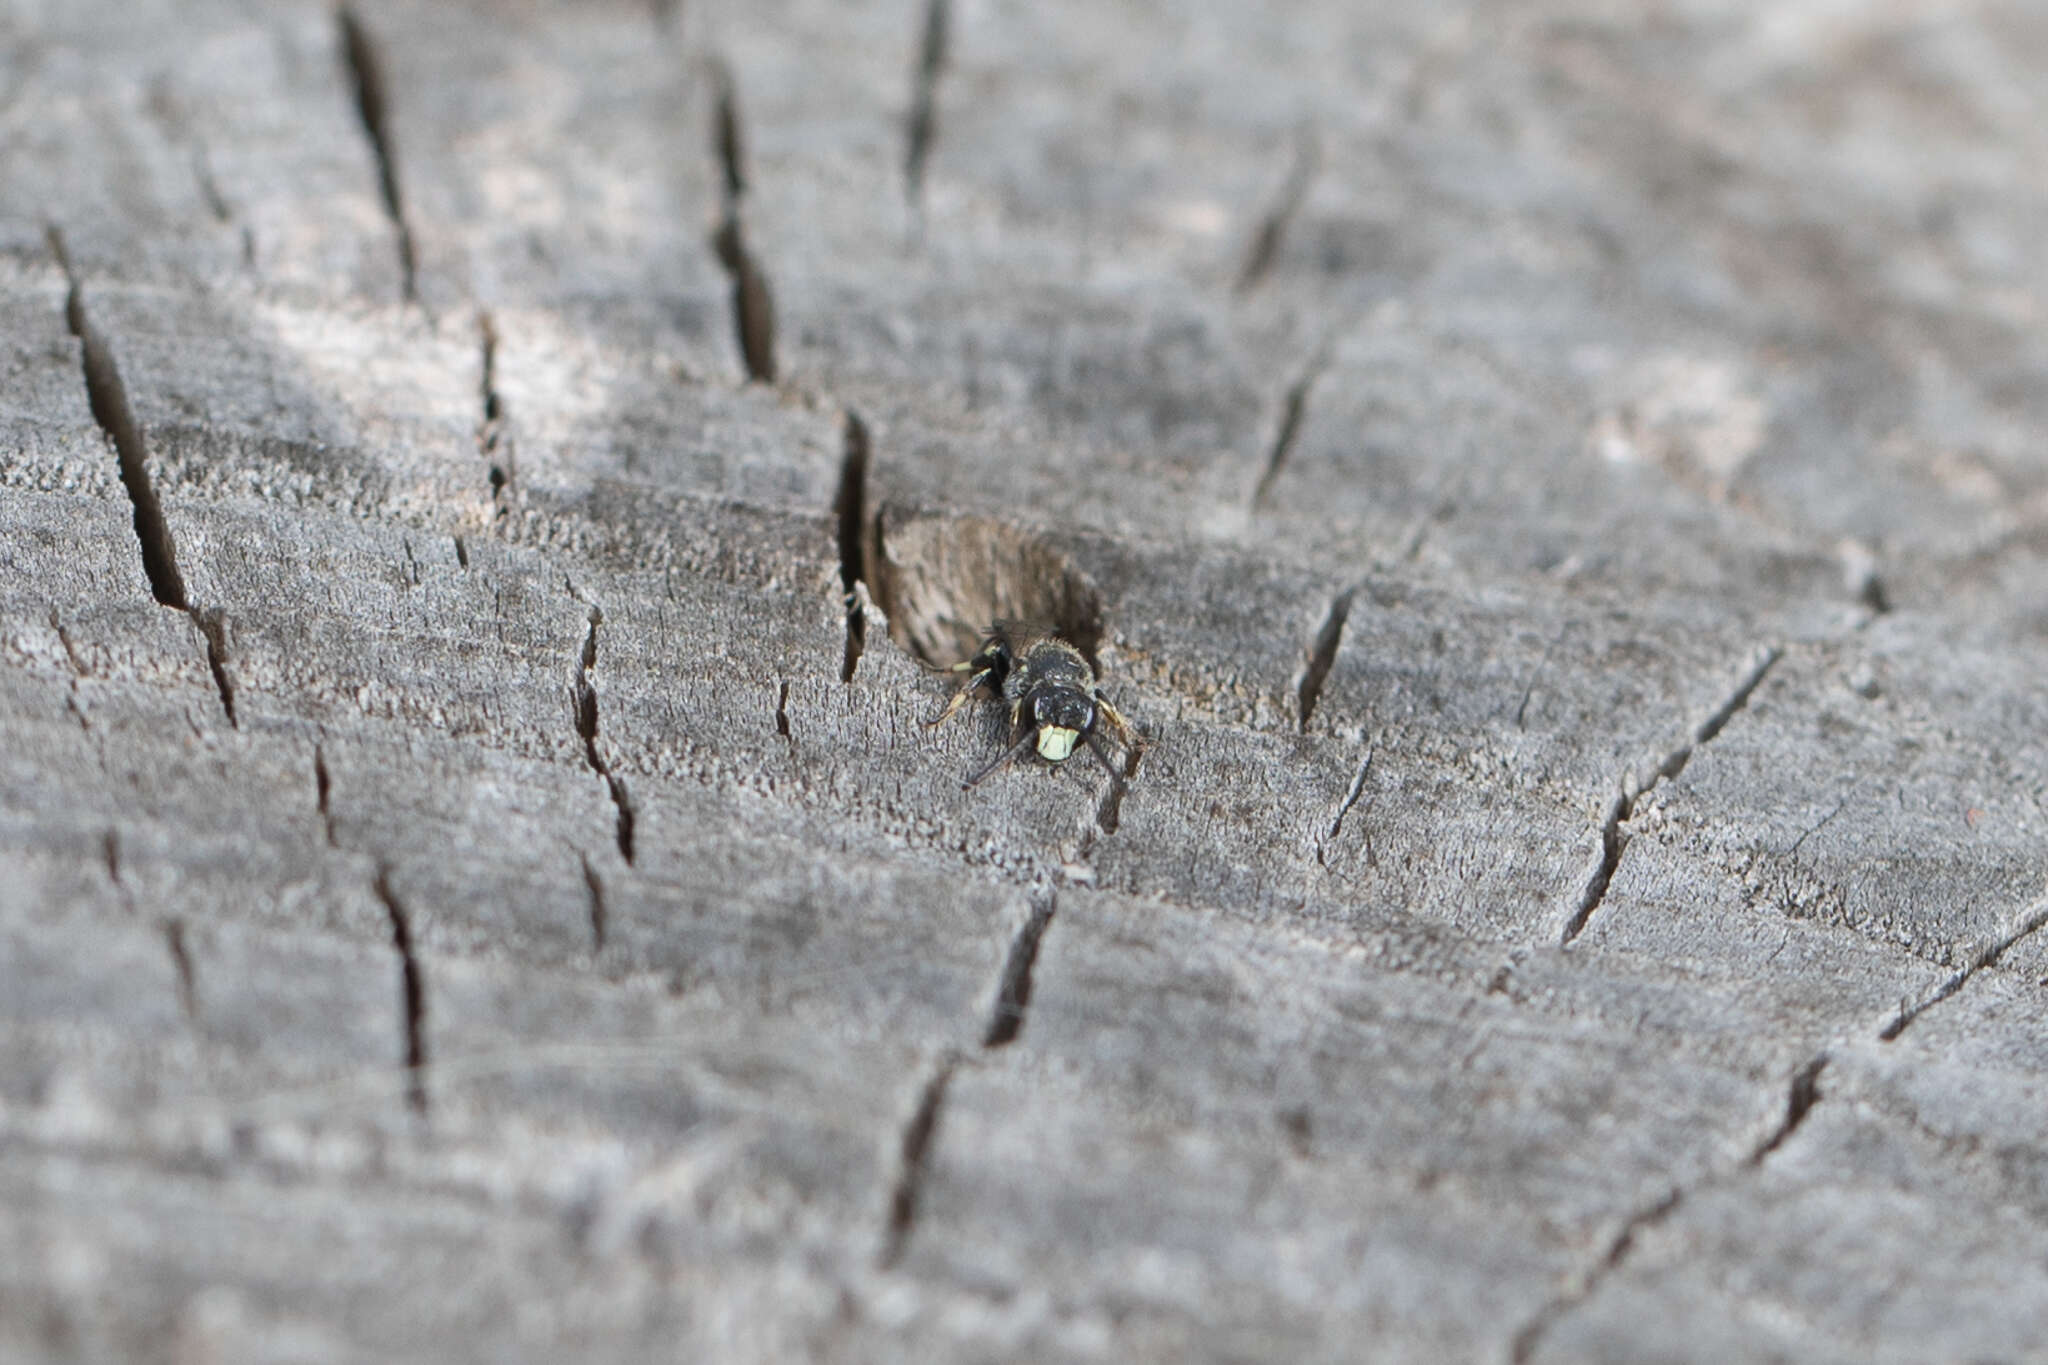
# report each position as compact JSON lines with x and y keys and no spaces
{"x":1054,"y":703}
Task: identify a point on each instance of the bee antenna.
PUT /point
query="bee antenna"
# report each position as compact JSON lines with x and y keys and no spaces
{"x":1004,"y":758}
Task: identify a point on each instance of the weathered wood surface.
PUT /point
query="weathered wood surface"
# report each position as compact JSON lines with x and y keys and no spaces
{"x":1563,"y":489}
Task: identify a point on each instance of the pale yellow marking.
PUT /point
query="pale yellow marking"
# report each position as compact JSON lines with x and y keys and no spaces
{"x":1054,"y":743}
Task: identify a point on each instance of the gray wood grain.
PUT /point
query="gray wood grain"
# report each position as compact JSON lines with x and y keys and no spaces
{"x":1559,"y":489}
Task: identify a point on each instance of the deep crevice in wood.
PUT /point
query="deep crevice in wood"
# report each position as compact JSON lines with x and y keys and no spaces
{"x":366,"y":79}
{"x":915,"y":1151}
{"x":753,"y":303}
{"x":782,"y":711}
{"x":586,"y":729}
{"x":922,"y":127}
{"x":850,"y":506}
{"x":942,"y":580}
{"x":1322,"y":657}
{"x":726,"y":141}
{"x":1986,"y":956}
{"x":1265,"y":244}
{"x":108,"y":398}
{"x":213,"y":625}
{"x":1614,"y":838}
{"x":1800,"y":1097}
{"x":323,"y":792}
{"x":599,"y":915}
{"x":493,"y":434}
{"x":1013,"y":991}
{"x":414,"y":992}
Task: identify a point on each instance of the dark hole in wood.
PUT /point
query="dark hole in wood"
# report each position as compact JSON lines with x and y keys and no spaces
{"x":942,"y":580}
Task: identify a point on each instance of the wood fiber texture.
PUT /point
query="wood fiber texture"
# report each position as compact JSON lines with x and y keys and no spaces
{"x":1561,"y":488}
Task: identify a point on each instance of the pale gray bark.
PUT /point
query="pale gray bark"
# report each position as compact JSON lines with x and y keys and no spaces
{"x":1560,"y":488}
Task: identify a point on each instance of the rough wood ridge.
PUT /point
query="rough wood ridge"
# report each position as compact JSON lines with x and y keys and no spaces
{"x":1561,"y":489}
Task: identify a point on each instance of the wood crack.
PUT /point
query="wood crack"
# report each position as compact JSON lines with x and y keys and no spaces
{"x":753,"y":303}
{"x":1013,"y":989}
{"x":493,"y":432}
{"x":107,"y":397}
{"x":921,"y":130}
{"x":323,"y":793}
{"x":1800,"y":1097}
{"x":1272,"y":229}
{"x":73,"y":702}
{"x":1109,"y":810}
{"x":1006,"y":1022}
{"x":1322,"y":657}
{"x":413,"y":992}
{"x":599,"y":914}
{"x":725,"y":135}
{"x":1803,"y":1093}
{"x":586,"y":729}
{"x":181,"y":965}
{"x":1987,"y":955}
{"x":849,"y":505}
{"x":1614,"y":838}
{"x":915,"y":1151}
{"x":366,"y":79}
{"x":213,"y":625}
{"x":1351,"y":796}
{"x":1292,"y":409}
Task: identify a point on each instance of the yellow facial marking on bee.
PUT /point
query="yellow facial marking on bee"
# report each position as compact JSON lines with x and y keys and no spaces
{"x":1054,"y":744}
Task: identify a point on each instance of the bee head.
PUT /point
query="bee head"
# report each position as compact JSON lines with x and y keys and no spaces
{"x":1062,"y":715}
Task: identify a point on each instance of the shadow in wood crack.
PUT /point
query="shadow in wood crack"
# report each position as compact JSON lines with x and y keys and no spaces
{"x":941,"y":580}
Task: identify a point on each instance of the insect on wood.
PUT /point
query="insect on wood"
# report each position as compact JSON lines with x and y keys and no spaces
{"x":1055,"y":705}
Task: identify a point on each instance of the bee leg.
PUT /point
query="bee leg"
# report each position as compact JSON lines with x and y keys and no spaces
{"x":1102,"y":756}
{"x":1002,"y":760}
{"x":1125,"y":735}
{"x":967,"y":689}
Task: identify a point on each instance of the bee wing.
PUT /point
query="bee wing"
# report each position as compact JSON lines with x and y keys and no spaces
{"x":1018,"y":636}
